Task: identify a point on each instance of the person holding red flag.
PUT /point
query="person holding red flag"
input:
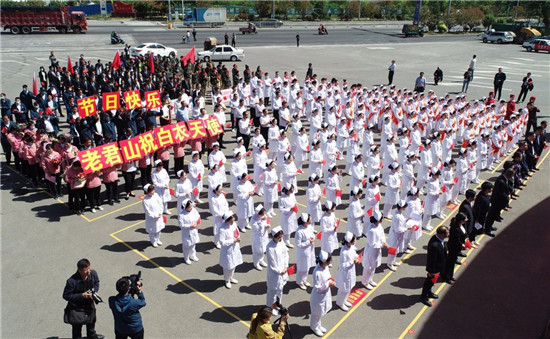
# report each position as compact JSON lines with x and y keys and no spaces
{"x":277,"y":267}
{"x":230,"y":253}
{"x":436,"y":262}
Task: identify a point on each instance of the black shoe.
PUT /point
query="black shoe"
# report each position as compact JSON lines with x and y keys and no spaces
{"x":493,"y":228}
{"x":426,"y":302}
{"x":499,"y":220}
{"x":457,"y":262}
{"x":449,"y":282}
{"x":110,"y":203}
{"x":490,"y":234}
{"x":461,"y":254}
{"x":433,"y":295}
{"x":117,"y":201}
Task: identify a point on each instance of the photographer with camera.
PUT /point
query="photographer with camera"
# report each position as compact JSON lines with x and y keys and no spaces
{"x":81,"y":295}
{"x":260,"y":326}
{"x":126,"y":309}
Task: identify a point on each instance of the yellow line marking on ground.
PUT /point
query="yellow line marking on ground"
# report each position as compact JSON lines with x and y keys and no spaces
{"x":117,"y":210}
{"x":173,"y":276}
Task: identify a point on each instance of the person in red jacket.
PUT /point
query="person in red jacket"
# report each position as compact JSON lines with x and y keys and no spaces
{"x":510,"y":107}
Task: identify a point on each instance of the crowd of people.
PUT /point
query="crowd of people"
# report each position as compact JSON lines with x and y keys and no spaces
{"x":426,"y":150}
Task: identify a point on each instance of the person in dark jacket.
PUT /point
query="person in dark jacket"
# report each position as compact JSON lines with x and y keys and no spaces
{"x":78,"y":296}
{"x":530,"y":151}
{"x":499,"y":200}
{"x":125,"y":310}
{"x":481,"y":207}
{"x":435,"y":265}
{"x":457,"y":237}
{"x":466,"y":208}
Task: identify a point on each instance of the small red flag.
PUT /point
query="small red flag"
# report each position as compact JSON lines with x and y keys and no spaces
{"x":471,"y":165}
{"x":338,"y":193}
{"x":294,"y":209}
{"x":420,"y":148}
{"x":360,"y":257}
{"x":237,"y":234}
{"x":291,"y":270}
{"x":34,"y":85}
{"x":300,"y":171}
{"x":255,"y":188}
{"x":435,"y":278}
{"x":320,"y":235}
{"x":338,"y":156}
{"x":248,"y":177}
{"x":324,"y":190}
{"x":377,"y":196}
{"x":199,"y":221}
{"x":337,"y":225}
{"x":268,"y":221}
{"x":392,"y":250}
{"x":164,"y":219}
{"x":220,"y":163}
{"x":369,"y":212}
{"x":171,"y":192}
{"x":116,"y":62}
{"x":455,"y":180}
{"x":70,"y":65}
{"x":199,"y":177}
{"x":279,"y":187}
{"x":195,"y":191}
{"x":364,"y":182}
{"x":415,"y":228}
{"x":444,"y":189}
{"x":467,"y":244}
{"x":151,"y":63}
{"x":381,"y":164}
{"x":308,"y":148}
{"x":228,"y":125}
{"x":324,"y":162}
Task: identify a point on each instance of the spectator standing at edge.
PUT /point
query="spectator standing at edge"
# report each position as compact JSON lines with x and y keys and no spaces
{"x":391,"y":72}
{"x":472,"y":66}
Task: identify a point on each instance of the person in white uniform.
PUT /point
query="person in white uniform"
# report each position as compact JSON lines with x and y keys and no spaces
{"x":161,"y":181}
{"x":333,"y":185}
{"x":396,"y":238}
{"x":238,"y":166}
{"x":183,"y":188}
{"x":260,"y":236}
{"x":214,"y":179}
{"x":329,"y":227}
{"x":271,"y":187}
{"x":189,"y":219}
{"x":372,"y":196}
{"x":245,"y":202}
{"x":230,"y":253}
{"x":355,"y":213}
{"x":320,"y":301}
{"x":305,"y":250}
{"x":218,"y":207}
{"x":314,"y":195}
{"x":217,"y":157}
{"x":372,"y":254}
{"x":277,"y":267}
{"x":289,"y":210}
{"x":357,"y":172}
{"x":196,"y":175}
{"x":431,"y":204}
{"x":413,"y":214}
{"x":290,"y":172}
{"x":393,"y":181}
{"x":316,"y":159}
{"x":346,"y":277}
{"x":260,"y":160}
{"x":153,"y":207}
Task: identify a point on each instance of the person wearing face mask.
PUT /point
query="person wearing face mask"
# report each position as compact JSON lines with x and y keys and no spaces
{"x":26,"y":96}
{"x":5,"y":104}
{"x":20,"y":111}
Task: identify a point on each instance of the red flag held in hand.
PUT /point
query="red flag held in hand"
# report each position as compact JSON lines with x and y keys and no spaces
{"x":471,"y":165}
{"x":444,"y":189}
{"x":392,"y":250}
{"x":364,"y":182}
{"x":435,"y":278}
{"x":369,"y":212}
{"x":220,"y":163}
{"x":228,"y":125}
{"x":248,"y":177}
{"x":415,"y":228}
{"x":324,"y":162}
{"x":116,"y":62}
{"x":151,"y":63}
{"x":199,"y":221}
{"x":171,"y":192}
{"x":279,"y":187}
{"x":291,"y":270}
{"x":455,"y":180}
{"x":237,"y":233}
{"x":195,"y":191}
{"x":420,"y":148}
{"x":381,"y":164}
{"x":199,"y":177}
{"x":307,"y":148}
{"x":377,"y":196}
{"x":248,"y":153}
{"x":324,"y":190}
{"x":268,"y":221}
{"x":299,"y":171}
{"x":319,"y":235}
{"x":337,"y":225}
{"x":70,"y":65}
{"x":338,"y":156}
{"x":468,"y":244}
{"x":255,"y":188}
{"x":338,"y":193}
{"x":360,"y":257}
{"x":164,"y":219}
{"x":294,"y":209}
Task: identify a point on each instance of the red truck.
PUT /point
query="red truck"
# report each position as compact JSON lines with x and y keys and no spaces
{"x":26,"y":19}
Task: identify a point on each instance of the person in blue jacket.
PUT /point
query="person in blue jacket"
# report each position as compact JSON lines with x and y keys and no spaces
{"x":126,"y":310}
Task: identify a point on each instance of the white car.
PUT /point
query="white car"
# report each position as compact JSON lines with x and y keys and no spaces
{"x":153,"y":47}
{"x":498,"y":37}
{"x":221,"y":53}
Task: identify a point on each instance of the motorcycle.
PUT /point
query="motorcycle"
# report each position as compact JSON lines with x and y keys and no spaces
{"x":322,"y":30}
{"x":116,"y":40}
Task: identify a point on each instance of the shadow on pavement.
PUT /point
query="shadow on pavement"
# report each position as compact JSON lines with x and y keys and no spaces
{"x":393,"y":301}
{"x":410,"y":283}
{"x":219,"y":316}
{"x":503,"y":293}
{"x":206,"y":286}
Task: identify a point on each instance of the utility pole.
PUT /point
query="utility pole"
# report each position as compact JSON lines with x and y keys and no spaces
{"x":273,"y":9}
{"x":169,"y":11}
{"x":359,"y":14}
{"x":516,"y":15}
{"x":448,"y":11}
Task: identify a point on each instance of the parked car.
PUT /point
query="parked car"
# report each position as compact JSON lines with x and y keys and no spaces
{"x":271,"y":23}
{"x":153,"y":47}
{"x":221,"y":53}
{"x":542,"y":45}
{"x":529,"y":45}
{"x":498,"y":37}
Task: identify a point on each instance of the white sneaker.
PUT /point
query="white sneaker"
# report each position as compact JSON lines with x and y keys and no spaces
{"x":273,"y":214}
{"x":476,"y":181}
{"x":227,"y":284}
{"x":243,"y":230}
{"x":248,"y":227}
{"x":411,"y":247}
{"x":260,"y":194}
{"x":100,"y":208}
{"x":374,"y":283}
{"x":348,"y":304}
{"x":289,"y":245}
{"x":155,"y":245}
{"x":199,"y":201}
{"x":456,"y":202}
{"x":343,"y":308}
{"x":428,"y":228}
{"x":194,"y":258}
{"x":476,"y":243}
{"x":168,"y":212}
{"x":93,"y":210}
{"x":159,"y":242}
{"x":218,"y":246}
{"x":490,"y":168}
{"x":187,"y":261}
{"x":307,"y":284}
{"x":440,"y":215}
{"x":302,"y":286}
{"x":396,"y":264}
{"x":324,"y":330}
{"x":408,"y":250}
{"x":234,"y":281}
{"x":392,"y":268}
{"x":262,"y":263}
{"x":317,"y":332}
{"x":258,"y":267}
{"x":369,"y":287}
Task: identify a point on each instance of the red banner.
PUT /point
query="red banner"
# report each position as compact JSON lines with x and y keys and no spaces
{"x":97,"y":158}
{"x":213,"y":126}
{"x":111,"y":101}
{"x":147,"y":142}
{"x":164,"y":136}
{"x":132,"y":99}
{"x":130,"y":149}
{"x":152,"y":99}
{"x":196,"y":129}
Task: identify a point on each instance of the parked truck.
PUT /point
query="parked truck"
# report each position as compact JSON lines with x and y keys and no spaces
{"x":205,"y":17}
{"x":27,"y":19}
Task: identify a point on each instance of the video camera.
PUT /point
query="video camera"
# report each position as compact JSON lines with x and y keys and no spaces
{"x":134,"y":279}
{"x":279,"y":307}
{"x":96,"y":298}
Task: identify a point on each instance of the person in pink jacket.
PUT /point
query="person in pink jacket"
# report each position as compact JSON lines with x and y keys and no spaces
{"x":76,"y":180}
{"x":51,"y":164}
{"x":163,"y":153}
{"x":28,"y":150}
{"x":93,"y":189}
{"x":179,"y":153}
{"x":15,"y":139}
{"x":110,"y":179}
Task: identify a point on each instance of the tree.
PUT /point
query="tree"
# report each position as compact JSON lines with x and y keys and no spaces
{"x":371,"y":10}
{"x":282,"y":7}
{"x":204,"y":3}
{"x":471,"y":16}
{"x":352,"y":9}
{"x":263,"y":8}
{"x":303,"y":7}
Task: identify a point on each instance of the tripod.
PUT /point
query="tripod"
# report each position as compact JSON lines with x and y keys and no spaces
{"x":287,"y":327}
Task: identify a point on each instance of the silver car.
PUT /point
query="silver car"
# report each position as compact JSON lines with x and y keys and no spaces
{"x":498,"y":37}
{"x":222,"y":53}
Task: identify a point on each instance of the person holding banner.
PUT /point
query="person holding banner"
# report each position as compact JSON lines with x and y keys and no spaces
{"x":320,"y":301}
{"x":305,"y":250}
{"x":196,"y":173}
{"x":153,"y":207}
{"x":230,"y":253}
{"x":372,"y":254}
{"x":346,"y":277}
{"x":189,"y":220}
{"x":260,"y":236}
{"x":161,"y":181}
{"x":436,"y":262}
{"x":277,"y":266}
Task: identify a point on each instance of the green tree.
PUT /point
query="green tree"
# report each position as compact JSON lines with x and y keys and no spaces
{"x":371,"y":10}
{"x":282,"y":7}
{"x":303,"y":7}
{"x":352,"y":9}
{"x":263,"y":8}
{"x":471,"y":16}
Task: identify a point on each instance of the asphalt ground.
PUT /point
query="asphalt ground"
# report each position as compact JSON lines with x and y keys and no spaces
{"x":42,"y":240}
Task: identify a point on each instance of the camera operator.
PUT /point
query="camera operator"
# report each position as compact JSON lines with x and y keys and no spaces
{"x":260,"y":327}
{"x":80,"y":293}
{"x":126,"y":310}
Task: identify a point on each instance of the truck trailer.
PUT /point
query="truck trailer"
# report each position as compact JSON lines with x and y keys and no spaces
{"x":206,"y":17}
{"x":27,"y":19}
